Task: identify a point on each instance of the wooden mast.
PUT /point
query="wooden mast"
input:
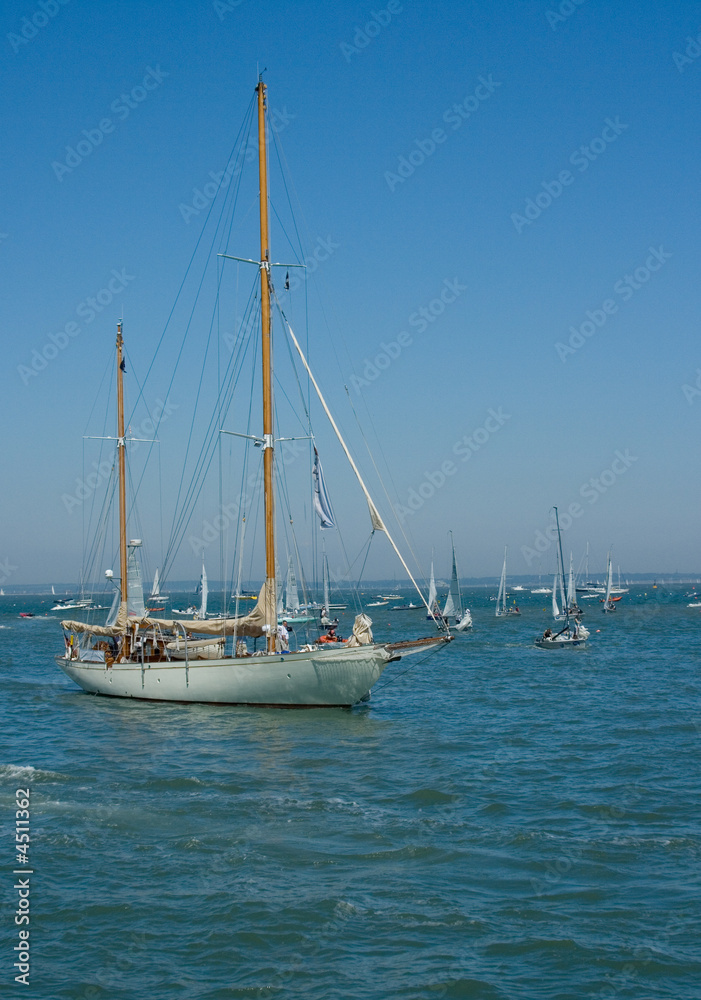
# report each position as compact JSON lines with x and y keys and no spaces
{"x":267,"y":376}
{"x":122,"y":470}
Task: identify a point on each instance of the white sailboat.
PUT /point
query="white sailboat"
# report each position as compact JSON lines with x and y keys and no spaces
{"x":453,"y":613}
{"x":149,"y":658}
{"x":574,"y":633}
{"x":155,"y":597}
{"x":608,"y":603}
{"x":290,"y":611}
{"x":502,"y":609}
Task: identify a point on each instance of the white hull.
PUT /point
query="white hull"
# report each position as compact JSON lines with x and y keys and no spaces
{"x":338,"y":677}
{"x":558,"y":643}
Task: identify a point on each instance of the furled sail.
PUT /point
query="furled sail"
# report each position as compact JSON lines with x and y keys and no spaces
{"x":252,"y":625}
{"x":291,"y":592}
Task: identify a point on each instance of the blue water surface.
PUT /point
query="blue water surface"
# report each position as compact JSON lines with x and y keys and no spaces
{"x":498,"y":823}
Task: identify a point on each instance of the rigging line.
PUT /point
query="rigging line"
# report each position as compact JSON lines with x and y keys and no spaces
{"x":367,"y":553}
{"x":236,"y":361}
{"x":248,"y":117}
{"x":242,"y":350}
{"x":87,"y":529}
{"x":384,"y":488}
{"x":294,"y":369}
{"x":284,"y":169}
{"x":192,"y":499}
{"x":284,"y":232}
{"x":202,"y":279}
{"x":412,"y":666}
{"x":244,"y":472}
{"x":284,"y":172}
{"x":374,"y":513}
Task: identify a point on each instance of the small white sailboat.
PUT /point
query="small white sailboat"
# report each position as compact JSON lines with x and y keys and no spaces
{"x":156,"y":597}
{"x":502,"y":609}
{"x":455,"y":616}
{"x":609,"y":605}
{"x":574,"y":633}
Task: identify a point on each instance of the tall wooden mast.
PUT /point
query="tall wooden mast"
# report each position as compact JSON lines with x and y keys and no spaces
{"x":122,"y":469}
{"x":268,"y":430}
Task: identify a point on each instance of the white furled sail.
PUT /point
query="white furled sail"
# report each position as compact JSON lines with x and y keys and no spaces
{"x":204,"y":593}
{"x":571,"y":592}
{"x":291,"y":592}
{"x":322,"y":504}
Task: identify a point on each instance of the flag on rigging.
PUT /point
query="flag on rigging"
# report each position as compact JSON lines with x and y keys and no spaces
{"x":322,"y":504}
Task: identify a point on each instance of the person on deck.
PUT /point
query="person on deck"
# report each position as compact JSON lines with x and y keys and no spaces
{"x":283,"y":636}
{"x":330,"y":636}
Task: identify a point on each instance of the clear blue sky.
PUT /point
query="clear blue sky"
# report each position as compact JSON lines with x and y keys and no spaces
{"x":532,"y":166}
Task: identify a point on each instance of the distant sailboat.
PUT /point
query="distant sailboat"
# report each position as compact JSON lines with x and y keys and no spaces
{"x":608,"y":603}
{"x":570,"y":635}
{"x":156,"y":596}
{"x":291,"y":612}
{"x":453,"y":610}
{"x":502,"y":610}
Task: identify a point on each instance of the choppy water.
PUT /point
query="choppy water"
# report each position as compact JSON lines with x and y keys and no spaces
{"x":499,"y":822}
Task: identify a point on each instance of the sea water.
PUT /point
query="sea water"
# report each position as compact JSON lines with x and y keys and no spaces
{"x":497,"y":822}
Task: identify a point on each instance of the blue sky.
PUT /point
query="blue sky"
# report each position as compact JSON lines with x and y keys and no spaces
{"x":536,"y":164}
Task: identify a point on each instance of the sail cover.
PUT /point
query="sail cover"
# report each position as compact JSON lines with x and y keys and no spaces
{"x":252,"y":625}
{"x":322,"y":504}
